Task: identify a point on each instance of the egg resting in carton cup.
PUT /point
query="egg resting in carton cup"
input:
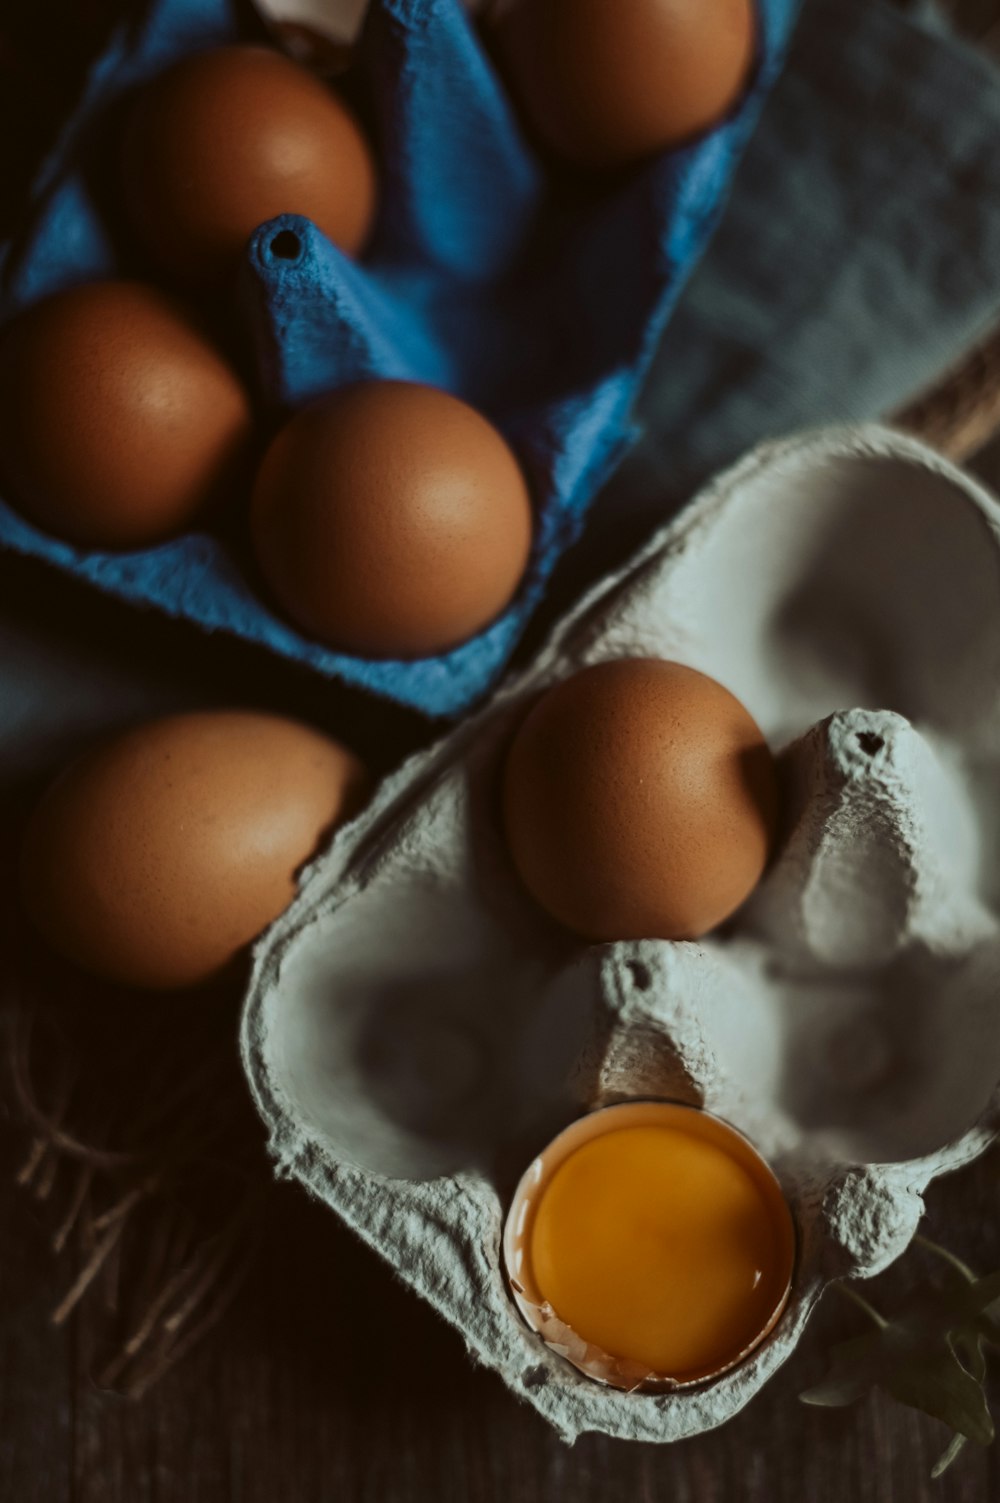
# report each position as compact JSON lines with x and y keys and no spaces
{"x":541,"y":308}
{"x":417,"y":1028}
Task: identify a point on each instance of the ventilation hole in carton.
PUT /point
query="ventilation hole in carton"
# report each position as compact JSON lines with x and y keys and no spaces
{"x":535,"y":1377}
{"x":286,"y":246}
{"x":640,"y":973}
{"x":870,"y":743}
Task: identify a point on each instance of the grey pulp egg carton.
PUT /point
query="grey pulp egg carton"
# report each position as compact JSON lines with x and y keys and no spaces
{"x":416,"y":1029}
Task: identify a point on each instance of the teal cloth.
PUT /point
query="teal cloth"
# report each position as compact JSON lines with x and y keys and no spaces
{"x":859,"y":258}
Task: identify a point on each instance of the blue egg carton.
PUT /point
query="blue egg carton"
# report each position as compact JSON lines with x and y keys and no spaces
{"x":484,"y":277}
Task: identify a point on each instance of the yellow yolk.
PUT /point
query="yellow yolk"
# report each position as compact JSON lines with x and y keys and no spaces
{"x":665,"y":1242}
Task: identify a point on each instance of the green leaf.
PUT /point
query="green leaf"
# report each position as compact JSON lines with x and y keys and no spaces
{"x":970,"y":1351}
{"x":984,"y":1293}
{"x":982,"y":1300}
{"x":835,"y":1392}
{"x":946,"y":1256}
{"x":967,"y":1294}
{"x":929,"y":1356}
{"x":854,"y":1371}
{"x":937,"y":1383}
{"x":944,"y":1461}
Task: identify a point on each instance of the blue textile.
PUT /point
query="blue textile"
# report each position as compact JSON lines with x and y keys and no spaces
{"x":542,"y":309}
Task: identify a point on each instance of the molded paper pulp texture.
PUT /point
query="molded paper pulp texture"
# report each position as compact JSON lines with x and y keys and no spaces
{"x":416,"y":1029}
{"x":542,"y":310}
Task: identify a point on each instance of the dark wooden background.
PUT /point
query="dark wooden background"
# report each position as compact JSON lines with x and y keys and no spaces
{"x":329,"y":1383}
{"x":326,"y":1380}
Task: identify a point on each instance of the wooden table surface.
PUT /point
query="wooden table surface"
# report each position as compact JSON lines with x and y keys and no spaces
{"x":327,"y":1382}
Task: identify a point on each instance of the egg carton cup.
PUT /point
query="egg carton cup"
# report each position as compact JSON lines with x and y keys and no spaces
{"x":541,"y":309}
{"x":416,"y":1028}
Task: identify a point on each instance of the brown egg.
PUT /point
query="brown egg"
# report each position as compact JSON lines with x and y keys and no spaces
{"x":605,"y":82}
{"x":154,"y":860}
{"x":119,"y":423}
{"x":391,"y":520}
{"x":227,"y":139}
{"x":640,"y":801}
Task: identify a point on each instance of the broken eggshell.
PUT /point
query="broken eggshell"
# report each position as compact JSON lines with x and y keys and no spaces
{"x":319,"y":33}
{"x":322,"y":33}
{"x":417,"y":1029}
{"x":774,"y":1271}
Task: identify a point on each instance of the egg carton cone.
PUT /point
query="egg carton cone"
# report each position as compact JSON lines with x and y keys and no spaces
{"x":416,"y":1029}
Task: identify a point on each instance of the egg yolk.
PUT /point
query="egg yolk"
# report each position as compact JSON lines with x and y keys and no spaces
{"x":666,"y":1244}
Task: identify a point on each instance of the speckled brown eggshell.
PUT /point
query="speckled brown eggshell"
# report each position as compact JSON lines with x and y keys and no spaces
{"x":604,"y":83}
{"x":391,"y":520}
{"x":229,"y":138}
{"x":120,"y":424}
{"x":640,"y":802}
{"x":154,"y":860}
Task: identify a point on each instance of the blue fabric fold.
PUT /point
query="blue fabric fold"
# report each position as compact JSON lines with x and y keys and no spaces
{"x":543,"y":308}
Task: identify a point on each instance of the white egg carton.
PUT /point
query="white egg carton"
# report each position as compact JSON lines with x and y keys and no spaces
{"x":416,"y":1029}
